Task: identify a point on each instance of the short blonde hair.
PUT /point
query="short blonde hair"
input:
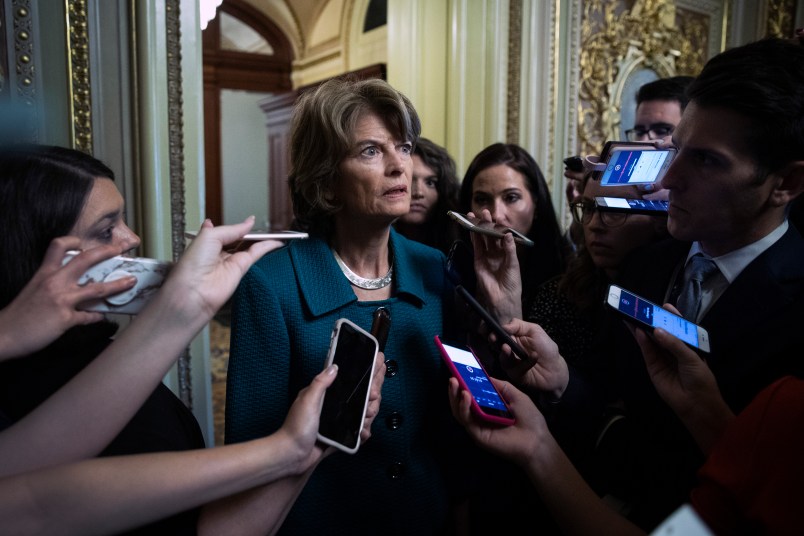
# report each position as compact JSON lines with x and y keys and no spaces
{"x":321,"y":130}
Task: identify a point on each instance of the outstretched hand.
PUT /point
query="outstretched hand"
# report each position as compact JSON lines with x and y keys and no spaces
{"x":499,"y":283}
{"x":48,"y":305}
{"x":302,"y":422}
{"x":680,"y":376}
{"x":686,"y":384}
{"x":546,"y":371}
{"x":206,"y":275}
{"x":518,"y":441}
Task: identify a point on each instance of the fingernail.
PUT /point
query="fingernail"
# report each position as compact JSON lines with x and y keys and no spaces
{"x":332,"y":369}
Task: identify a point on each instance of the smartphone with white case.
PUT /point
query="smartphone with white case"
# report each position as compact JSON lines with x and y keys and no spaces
{"x":150,"y":274}
{"x":354,"y":350}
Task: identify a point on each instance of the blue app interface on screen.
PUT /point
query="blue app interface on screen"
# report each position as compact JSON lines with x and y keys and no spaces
{"x":479,"y":384}
{"x":632,"y":167}
{"x":657,"y":317}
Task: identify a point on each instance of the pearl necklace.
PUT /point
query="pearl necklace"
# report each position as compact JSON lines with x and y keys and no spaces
{"x":362,"y":282}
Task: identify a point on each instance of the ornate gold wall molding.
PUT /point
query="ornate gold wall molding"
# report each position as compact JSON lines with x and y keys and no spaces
{"x":78,"y":68}
{"x":514,"y":70}
{"x":177,"y":190}
{"x":24,"y":80}
{"x":781,"y":15}
{"x":616,"y":42}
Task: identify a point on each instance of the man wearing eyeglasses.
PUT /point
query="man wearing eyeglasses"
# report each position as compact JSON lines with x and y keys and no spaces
{"x":659,"y":107}
{"x":740,"y":164}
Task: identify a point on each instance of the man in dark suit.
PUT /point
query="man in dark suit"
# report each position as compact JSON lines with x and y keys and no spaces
{"x":739,"y":166}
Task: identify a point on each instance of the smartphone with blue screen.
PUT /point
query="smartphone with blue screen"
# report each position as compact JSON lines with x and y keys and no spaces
{"x":487,"y":403}
{"x":651,"y":207}
{"x":627,"y":166}
{"x":648,"y":315}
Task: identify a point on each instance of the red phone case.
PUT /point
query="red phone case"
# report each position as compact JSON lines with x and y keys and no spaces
{"x":497,"y":415}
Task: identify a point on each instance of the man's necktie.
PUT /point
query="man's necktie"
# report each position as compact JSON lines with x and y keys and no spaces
{"x":697,"y":271}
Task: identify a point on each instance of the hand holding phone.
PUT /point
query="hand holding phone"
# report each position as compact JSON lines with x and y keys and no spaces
{"x":150,"y":274}
{"x":487,"y":403}
{"x":343,"y":411}
{"x":492,"y":323}
{"x":488,"y":228}
{"x":648,"y":315}
{"x":633,"y":163}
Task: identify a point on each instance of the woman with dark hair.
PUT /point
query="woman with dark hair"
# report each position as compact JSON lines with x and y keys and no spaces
{"x":570,"y":306}
{"x":505,"y":180}
{"x":350,"y":147}
{"x":91,"y":388}
{"x":45,"y":189}
{"x":68,"y":393}
{"x":433,"y":192}
{"x":48,"y":192}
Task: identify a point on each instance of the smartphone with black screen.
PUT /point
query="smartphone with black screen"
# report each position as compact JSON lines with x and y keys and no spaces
{"x":487,"y":403}
{"x":354,"y":350}
{"x":648,"y":315}
{"x":493,"y":324}
{"x":380,"y":326}
{"x":574,"y":163}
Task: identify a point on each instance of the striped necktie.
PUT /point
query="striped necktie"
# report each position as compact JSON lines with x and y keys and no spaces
{"x":698,"y":270}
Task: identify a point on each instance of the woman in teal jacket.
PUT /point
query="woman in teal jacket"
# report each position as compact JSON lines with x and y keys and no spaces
{"x":351,"y":146}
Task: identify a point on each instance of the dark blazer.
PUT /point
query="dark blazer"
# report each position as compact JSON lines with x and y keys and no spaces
{"x":756,"y":331}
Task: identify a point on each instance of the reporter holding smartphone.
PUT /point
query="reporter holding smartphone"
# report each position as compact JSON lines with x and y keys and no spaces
{"x":117,"y":404}
{"x":49,"y":192}
{"x":48,"y":304}
{"x":505,"y":180}
{"x":738,"y":168}
{"x":750,"y":480}
{"x":48,"y":482}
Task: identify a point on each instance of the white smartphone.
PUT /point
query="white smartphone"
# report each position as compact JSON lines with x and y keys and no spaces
{"x":487,"y":403}
{"x":257,"y":236}
{"x":651,"y":207}
{"x":354,"y":350}
{"x":627,"y":165}
{"x":649,"y":315}
{"x":489,"y":228}
{"x":150,"y":274}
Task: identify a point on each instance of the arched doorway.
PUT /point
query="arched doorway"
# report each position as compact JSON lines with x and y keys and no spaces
{"x":242,"y":50}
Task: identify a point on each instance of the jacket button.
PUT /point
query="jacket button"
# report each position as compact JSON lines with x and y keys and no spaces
{"x":396,"y":470}
{"x":391,"y":368}
{"x":393,"y":420}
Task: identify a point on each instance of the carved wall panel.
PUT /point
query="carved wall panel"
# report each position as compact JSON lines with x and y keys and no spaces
{"x":625,"y":44}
